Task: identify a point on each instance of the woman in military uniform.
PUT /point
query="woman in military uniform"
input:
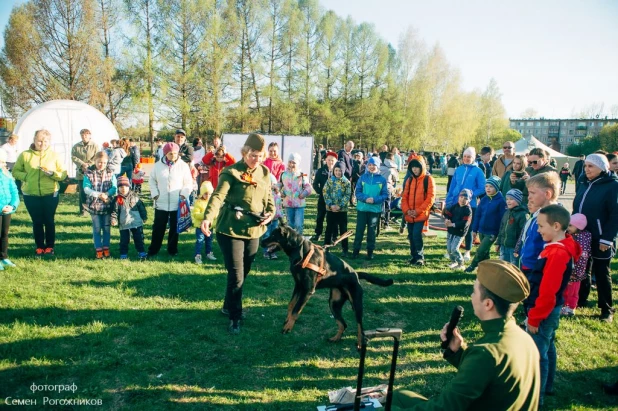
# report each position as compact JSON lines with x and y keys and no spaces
{"x":244,"y":205}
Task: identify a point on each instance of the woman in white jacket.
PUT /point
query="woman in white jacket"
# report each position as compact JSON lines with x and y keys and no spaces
{"x":169,"y":182}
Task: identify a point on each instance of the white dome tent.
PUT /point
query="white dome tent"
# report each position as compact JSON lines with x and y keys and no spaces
{"x":64,"y":119}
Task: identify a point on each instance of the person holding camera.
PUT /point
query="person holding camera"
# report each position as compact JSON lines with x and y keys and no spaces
{"x":41,"y":170}
{"x":500,"y":371}
{"x":514,"y":178}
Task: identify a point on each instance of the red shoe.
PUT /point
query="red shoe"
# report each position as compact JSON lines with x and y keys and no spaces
{"x":106,"y":253}
{"x":39,"y":252}
{"x":49,"y":251}
{"x":99,"y":254}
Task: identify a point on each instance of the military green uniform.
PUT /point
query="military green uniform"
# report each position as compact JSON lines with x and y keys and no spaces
{"x":240,"y":187}
{"x":499,"y":372}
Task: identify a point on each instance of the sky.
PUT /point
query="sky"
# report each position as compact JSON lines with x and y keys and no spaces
{"x":555,"y":56}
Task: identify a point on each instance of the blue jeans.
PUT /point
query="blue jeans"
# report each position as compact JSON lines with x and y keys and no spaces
{"x":201,"y":240}
{"x":545,"y":341}
{"x":415,"y":237}
{"x":296,"y":217}
{"x":370,"y":221}
{"x":506,"y":254}
{"x":269,"y":229}
{"x":452,"y":246}
{"x":101,"y":229}
{"x":138,"y":240}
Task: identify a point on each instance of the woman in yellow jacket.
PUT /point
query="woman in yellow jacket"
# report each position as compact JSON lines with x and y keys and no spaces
{"x":416,"y":201}
{"x":41,"y":171}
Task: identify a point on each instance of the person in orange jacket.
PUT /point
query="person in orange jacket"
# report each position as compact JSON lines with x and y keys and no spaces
{"x":416,"y":201}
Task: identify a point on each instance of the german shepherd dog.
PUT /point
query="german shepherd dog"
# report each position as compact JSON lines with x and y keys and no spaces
{"x":313,"y":268}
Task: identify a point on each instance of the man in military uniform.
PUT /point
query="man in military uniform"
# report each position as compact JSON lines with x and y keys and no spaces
{"x":501,"y":370}
{"x":82,"y":155}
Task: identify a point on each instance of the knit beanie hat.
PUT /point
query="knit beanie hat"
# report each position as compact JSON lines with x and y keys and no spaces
{"x":170,"y":147}
{"x":375,"y":161}
{"x":123,"y":181}
{"x":206,"y":187}
{"x":471,"y":151}
{"x":466,"y":193}
{"x":295,"y":157}
{"x":256,"y":142}
{"x":494,"y":181}
{"x":340,"y":165}
{"x":579,"y":221}
{"x":516,"y":195}
{"x":598,"y":160}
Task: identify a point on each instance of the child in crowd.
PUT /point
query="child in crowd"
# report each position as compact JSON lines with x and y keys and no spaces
{"x":457,"y":220}
{"x":583,"y":237}
{"x":512,"y":224}
{"x":371,"y":192}
{"x":9,"y":201}
{"x":396,"y":211}
{"x":565,"y":173}
{"x":100,"y":188}
{"x":337,"y":192}
{"x":416,"y":201}
{"x":129,"y":214}
{"x":487,"y":220}
{"x":543,"y":190}
{"x":295,"y":187}
{"x":197,"y":215}
{"x":137,"y":178}
{"x":278,"y":214}
{"x":548,"y":280}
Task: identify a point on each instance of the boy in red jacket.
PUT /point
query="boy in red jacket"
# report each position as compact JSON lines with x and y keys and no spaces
{"x":548,"y":281}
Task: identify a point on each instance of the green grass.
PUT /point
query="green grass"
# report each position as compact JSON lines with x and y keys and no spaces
{"x":145,"y":336}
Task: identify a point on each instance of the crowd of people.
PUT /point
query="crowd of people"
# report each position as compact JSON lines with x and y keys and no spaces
{"x":509,"y":202}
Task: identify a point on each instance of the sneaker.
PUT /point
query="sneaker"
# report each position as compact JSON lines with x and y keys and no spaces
{"x":470,"y":269}
{"x":466,"y":256}
{"x":212,"y":257}
{"x":49,"y":252}
{"x":567,"y":311}
{"x":273,"y":256}
{"x":400,"y":230}
{"x":99,"y":254}
{"x":453,"y":265}
{"x":39,"y":252}
{"x":607,"y":316}
{"x":8,"y":263}
{"x":143,"y":256}
{"x":106,"y":253}
{"x":198,"y":259}
{"x":420,"y":263}
{"x":412,"y":261}
{"x":123,"y":257}
{"x":234,"y":327}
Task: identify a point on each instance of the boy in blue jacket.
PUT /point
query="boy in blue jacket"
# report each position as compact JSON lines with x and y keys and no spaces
{"x":371,"y":192}
{"x":487,"y":220}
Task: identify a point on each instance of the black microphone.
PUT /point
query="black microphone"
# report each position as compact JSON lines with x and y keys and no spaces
{"x":452,"y":323}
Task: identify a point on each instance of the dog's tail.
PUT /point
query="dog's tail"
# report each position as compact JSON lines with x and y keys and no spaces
{"x":375,"y":280}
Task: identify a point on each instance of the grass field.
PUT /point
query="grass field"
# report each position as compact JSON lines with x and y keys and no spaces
{"x":150,"y":336}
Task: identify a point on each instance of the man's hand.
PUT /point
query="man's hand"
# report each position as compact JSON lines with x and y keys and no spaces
{"x":525,"y":176}
{"x":532,"y":329}
{"x":457,"y":340}
{"x":205,"y":227}
{"x":334,"y":208}
{"x":603,"y":247}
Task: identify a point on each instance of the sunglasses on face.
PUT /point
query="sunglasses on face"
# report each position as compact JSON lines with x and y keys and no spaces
{"x":507,"y":148}
{"x":535,"y":162}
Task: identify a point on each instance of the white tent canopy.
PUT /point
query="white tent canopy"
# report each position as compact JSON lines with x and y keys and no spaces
{"x":525,"y":144}
{"x":64,"y":119}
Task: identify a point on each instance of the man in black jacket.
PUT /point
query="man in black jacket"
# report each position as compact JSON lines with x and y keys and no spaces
{"x":321,"y":177}
{"x":345,"y":155}
{"x":578,"y":170}
{"x":186,"y":150}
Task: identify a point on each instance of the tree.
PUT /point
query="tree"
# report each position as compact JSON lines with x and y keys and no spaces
{"x":492,"y":115}
{"x":529,"y":113}
{"x":608,"y":138}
